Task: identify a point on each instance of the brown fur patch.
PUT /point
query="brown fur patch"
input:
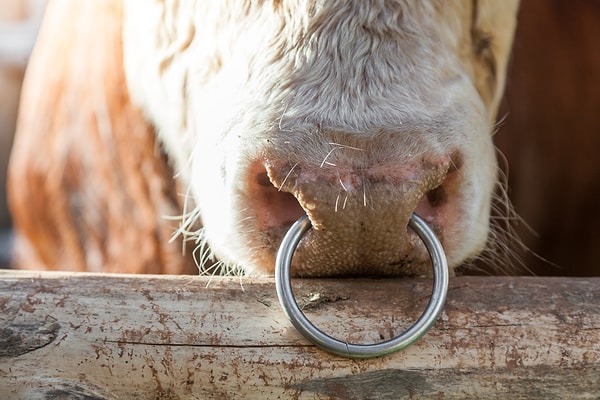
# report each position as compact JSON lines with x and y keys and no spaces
{"x":89,"y":185}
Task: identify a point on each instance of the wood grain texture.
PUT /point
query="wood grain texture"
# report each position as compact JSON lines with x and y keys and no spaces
{"x":159,"y":337}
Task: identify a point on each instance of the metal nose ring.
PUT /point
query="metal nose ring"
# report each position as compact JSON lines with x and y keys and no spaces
{"x":335,"y":346}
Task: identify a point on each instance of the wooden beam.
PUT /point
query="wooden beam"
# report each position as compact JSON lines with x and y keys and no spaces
{"x":64,"y":335}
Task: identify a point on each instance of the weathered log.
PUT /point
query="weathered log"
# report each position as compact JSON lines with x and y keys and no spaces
{"x":70,"y":335}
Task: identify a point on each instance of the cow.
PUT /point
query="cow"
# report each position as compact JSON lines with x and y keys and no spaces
{"x":157,"y":136}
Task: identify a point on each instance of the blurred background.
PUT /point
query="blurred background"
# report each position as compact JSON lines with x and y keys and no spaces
{"x":19,"y":21}
{"x":549,"y":135}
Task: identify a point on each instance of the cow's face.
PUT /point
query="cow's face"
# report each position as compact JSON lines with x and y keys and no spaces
{"x":357,"y":113}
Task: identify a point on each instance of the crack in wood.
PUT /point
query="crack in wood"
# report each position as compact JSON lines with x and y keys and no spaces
{"x":214,"y":346}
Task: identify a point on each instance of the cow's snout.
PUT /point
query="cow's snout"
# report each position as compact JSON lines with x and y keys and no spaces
{"x":359,"y":214}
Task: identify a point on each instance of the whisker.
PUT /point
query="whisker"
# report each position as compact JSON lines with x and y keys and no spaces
{"x":327,"y":156}
{"x":342,"y":183}
{"x":287,"y":176}
{"x":345,"y":146}
{"x":505,"y":250}
{"x":281,"y":118}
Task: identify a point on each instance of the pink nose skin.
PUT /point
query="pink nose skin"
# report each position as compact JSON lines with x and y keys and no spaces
{"x":359,"y":216}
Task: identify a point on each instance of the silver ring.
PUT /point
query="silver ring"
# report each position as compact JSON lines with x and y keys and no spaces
{"x":328,"y":343}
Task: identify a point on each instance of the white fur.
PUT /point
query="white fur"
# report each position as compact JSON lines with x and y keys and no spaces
{"x":223,"y":80}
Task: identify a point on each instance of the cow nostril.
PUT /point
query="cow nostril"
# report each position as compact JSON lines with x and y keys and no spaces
{"x":274,"y":208}
{"x":437,"y":197}
{"x":438,"y":201}
{"x":262,"y":178}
